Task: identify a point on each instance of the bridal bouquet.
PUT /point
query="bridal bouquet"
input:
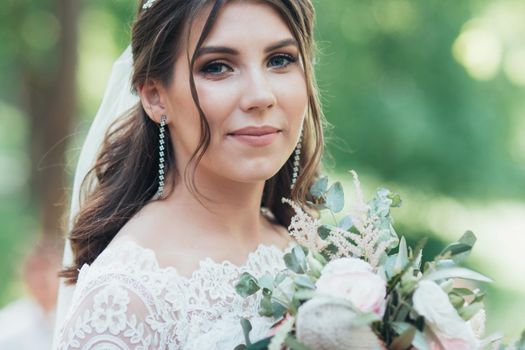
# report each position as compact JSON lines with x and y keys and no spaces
{"x":355,"y":285}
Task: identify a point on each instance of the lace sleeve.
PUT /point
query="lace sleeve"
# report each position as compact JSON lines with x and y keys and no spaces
{"x":119,"y":303}
{"x":112,"y":315}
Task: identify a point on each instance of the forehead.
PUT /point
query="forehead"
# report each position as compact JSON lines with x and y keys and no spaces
{"x":239,"y":23}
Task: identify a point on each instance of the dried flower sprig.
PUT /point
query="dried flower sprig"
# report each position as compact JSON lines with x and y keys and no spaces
{"x":366,"y":232}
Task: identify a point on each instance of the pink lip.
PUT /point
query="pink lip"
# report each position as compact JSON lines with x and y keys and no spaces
{"x":255,"y":130}
{"x":256,"y":140}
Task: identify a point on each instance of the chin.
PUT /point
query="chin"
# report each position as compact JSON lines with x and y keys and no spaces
{"x":256,"y":175}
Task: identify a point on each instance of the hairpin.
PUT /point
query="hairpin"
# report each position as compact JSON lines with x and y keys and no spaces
{"x":148,"y":4}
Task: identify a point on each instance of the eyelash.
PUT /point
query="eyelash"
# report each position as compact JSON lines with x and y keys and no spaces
{"x":291,"y":59}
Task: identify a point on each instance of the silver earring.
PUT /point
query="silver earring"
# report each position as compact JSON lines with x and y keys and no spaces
{"x":296,"y":160}
{"x":160,"y":190}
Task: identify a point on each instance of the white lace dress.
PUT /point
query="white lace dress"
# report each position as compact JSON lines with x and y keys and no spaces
{"x":124,"y":300}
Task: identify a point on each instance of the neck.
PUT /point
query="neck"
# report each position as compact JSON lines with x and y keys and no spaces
{"x":228,"y":208}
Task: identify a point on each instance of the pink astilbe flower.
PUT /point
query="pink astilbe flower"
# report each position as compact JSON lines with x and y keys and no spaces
{"x":366,"y":244}
{"x":304,"y":228}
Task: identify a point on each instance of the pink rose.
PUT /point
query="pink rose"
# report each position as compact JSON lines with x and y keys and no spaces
{"x":354,"y":280}
{"x":431,"y":302}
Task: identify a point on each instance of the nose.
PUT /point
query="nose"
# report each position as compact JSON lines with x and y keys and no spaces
{"x":257,"y":94}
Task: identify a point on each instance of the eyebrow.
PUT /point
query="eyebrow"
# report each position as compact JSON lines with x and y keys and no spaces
{"x":231,"y":51}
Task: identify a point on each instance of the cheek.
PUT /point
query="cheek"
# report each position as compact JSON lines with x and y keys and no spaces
{"x":185,"y":127}
{"x":292,"y":97}
{"x":218,"y":102}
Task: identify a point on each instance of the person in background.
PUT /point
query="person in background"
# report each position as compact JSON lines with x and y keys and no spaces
{"x":27,"y":323}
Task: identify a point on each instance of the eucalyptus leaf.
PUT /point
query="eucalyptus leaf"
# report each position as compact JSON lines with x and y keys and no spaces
{"x":304,"y":294}
{"x":278,"y":310}
{"x":319,"y":187}
{"x":300,"y":256}
{"x":246,"y":328}
{"x":314,"y":267}
{"x":304,"y":281}
{"x":292,"y":263}
{"x":335,"y":199}
{"x":345,"y":223}
{"x":247,"y":285}
{"x":281,"y":276}
{"x":469,"y":311}
{"x":265,"y":307}
{"x":456,"y":272}
{"x":266,"y":281}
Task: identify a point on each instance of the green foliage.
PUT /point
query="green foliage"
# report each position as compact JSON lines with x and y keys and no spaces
{"x":405,"y":109}
{"x":335,"y":199}
{"x":247,"y":285}
{"x":296,"y":260}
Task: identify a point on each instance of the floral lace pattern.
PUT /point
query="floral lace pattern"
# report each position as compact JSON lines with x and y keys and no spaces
{"x":124,"y":300}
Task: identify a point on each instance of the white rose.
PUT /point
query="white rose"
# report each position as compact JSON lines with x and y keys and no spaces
{"x":327,"y":324}
{"x":477,"y":323}
{"x":431,"y":302}
{"x":354,"y":280}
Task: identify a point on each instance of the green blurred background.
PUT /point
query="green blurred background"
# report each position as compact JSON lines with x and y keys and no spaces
{"x":426,"y":98}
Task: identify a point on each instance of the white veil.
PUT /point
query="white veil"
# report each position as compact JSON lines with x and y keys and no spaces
{"x":117,"y":99}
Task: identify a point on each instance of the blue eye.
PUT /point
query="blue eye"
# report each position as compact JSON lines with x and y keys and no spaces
{"x":281,"y":60}
{"x":215,"y":68}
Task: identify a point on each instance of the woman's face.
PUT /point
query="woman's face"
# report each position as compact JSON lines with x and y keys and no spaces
{"x":248,"y":74}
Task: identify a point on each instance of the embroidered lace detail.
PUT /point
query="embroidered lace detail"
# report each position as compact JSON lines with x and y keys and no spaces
{"x":124,"y":300}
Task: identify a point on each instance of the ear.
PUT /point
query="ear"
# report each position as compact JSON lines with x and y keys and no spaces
{"x":152,"y":97}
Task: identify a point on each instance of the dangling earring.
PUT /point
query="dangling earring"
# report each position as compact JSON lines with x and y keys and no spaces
{"x":296,"y":160}
{"x":160,"y":190}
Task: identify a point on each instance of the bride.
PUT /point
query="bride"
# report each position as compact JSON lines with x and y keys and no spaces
{"x":184,"y":193}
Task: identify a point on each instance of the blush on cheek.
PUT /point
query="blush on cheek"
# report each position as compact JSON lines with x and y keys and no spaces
{"x":292,"y":97}
{"x":218,"y":102}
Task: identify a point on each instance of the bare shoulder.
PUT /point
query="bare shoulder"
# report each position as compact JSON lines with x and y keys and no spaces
{"x":149,"y":229}
{"x":170,"y":243}
{"x":138,"y":229}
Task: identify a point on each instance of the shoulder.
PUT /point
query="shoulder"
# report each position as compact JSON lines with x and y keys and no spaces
{"x":117,"y":302}
{"x":112,"y":314}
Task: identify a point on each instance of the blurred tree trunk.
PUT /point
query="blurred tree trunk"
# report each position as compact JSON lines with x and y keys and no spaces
{"x":50,"y":96}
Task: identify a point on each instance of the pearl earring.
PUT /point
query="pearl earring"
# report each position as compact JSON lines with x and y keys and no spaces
{"x":296,"y":161}
{"x":160,"y":190}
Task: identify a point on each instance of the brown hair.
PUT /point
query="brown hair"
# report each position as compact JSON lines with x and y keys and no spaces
{"x":125,"y":177}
